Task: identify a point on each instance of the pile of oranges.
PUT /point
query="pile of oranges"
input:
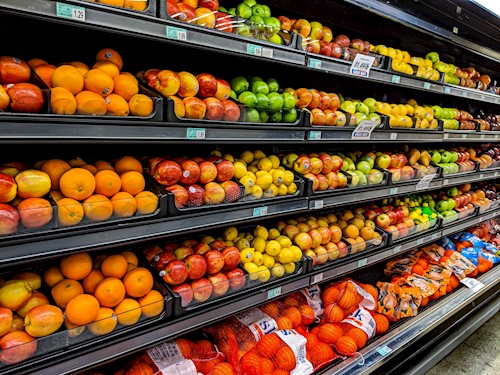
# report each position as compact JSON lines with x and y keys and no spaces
{"x":102,"y":89}
{"x":102,"y":292}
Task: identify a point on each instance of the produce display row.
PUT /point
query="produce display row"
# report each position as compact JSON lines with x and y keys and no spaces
{"x":419,"y":277}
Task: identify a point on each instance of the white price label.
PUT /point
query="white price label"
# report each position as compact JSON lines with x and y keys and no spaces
{"x":254,"y":50}
{"x":420,"y":241}
{"x":472,"y":284}
{"x":482,"y":136}
{"x":496,"y":174}
{"x":394,"y":136}
{"x":260,"y":211}
{"x":361,"y":65}
{"x":481,"y":176}
{"x":464,"y":136}
{"x":314,"y":135}
{"x":273,"y":293}
{"x":446,"y":136}
{"x":427,"y":85}
{"x":315,"y":63}
{"x":446,"y":181}
{"x":447,"y":90}
{"x":71,"y":12}
{"x":395,"y":79}
{"x":496,"y":136}
{"x":176,"y":33}
{"x":455,"y":30}
{"x":393,"y":191}
{"x":316,"y":205}
{"x":267,"y":52}
{"x":384,"y":350}
{"x":362,"y":262}
{"x":195,"y":133}
{"x":317,"y":278}
{"x":364,"y":130}
{"x":425,"y":181}
{"x":396,"y":249}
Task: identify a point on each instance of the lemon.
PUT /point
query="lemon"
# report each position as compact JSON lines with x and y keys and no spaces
{"x":252,"y":176}
{"x":242,"y":243}
{"x":273,"y":248}
{"x":207,"y":239}
{"x":273,"y":233}
{"x":228,"y":157}
{"x":265,"y":164}
{"x":247,"y":182}
{"x":246,"y":255}
{"x":275,"y":160}
{"x":254,"y":163}
{"x":271,"y":191}
{"x":258,"y":258}
{"x":292,"y":188}
{"x":297,"y":253}
{"x":258,"y":154}
{"x":264,"y":180}
{"x":242,"y":162}
{"x":278,"y":270}
{"x":264,"y":274}
{"x":249,"y":237}
{"x":247,"y":156}
{"x":230,"y":233}
{"x":239,"y":169}
{"x":259,"y":173}
{"x":253,"y":270}
{"x":216,"y":153}
{"x":268,"y":261}
{"x":278,"y":176}
{"x":289,"y":268}
{"x":284,"y":241}
{"x":282,"y":190}
{"x":285,"y":255}
{"x":259,"y":244}
{"x":253,"y":169}
{"x":257,"y":192}
{"x":288,"y":177}
{"x":261,"y":231}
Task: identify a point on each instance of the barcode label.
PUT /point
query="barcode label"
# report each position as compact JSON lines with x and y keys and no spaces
{"x":273,"y":293}
{"x":315,"y":63}
{"x":195,"y":133}
{"x":176,"y":33}
{"x":395,"y":79}
{"x":427,"y":85}
{"x":267,"y":52}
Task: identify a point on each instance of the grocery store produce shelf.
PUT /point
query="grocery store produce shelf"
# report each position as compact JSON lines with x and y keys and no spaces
{"x":384,"y":349}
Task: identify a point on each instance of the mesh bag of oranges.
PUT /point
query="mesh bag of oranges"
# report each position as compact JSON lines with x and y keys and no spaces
{"x":309,"y":303}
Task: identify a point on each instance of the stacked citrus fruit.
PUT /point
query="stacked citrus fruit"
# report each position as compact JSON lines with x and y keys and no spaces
{"x":139,"y":5}
{"x":102,"y":292}
{"x":98,"y":191}
{"x":102,"y":89}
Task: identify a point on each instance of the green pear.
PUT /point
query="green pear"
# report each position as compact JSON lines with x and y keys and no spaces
{"x":348,"y":106}
{"x":362,"y":108}
{"x":371,"y":104}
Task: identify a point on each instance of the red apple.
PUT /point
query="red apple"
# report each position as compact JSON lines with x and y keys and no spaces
{"x":173,"y":10}
{"x":167,"y":172}
{"x":290,"y":231}
{"x":180,"y":195}
{"x":208,"y":172}
{"x":333,"y":180}
{"x":286,"y":23}
{"x":325,"y":101}
{"x":316,"y":237}
{"x":231,"y":257}
{"x":170,"y":247}
{"x":208,"y":85}
{"x":9,"y":219}
{"x":16,"y":346}
{"x":214,"y":193}
{"x":162,"y":259}
{"x":315,"y":100}
{"x":202,"y":289}
{"x":326,"y":235}
{"x":325,"y":48}
{"x":190,"y":172}
{"x":8,"y":188}
{"x":236,"y":279}
{"x":383,"y":220}
{"x":183,"y":252}
{"x":393,"y":230}
{"x":343,"y":248}
{"x":187,"y":10}
{"x":403,"y":229}
{"x":151,"y":251}
{"x":25,"y":97}
{"x":213,"y":5}
{"x":215,"y":109}
{"x":303,"y":97}
{"x":218,"y":245}
{"x":314,"y":180}
{"x":303,"y":241}
{"x":167,"y":82}
{"x":335,"y":50}
{"x":337,"y":163}
{"x":223,"y":89}
{"x":195,"y":108}
{"x":220,"y":284}
{"x":13,"y":70}
{"x":232,"y":111}
{"x":175,"y":272}
{"x":392,"y":215}
{"x":358,"y":45}
{"x":400,"y":215}
{"x":302,"y":27}
{"x":323,"y":182}
{"x":215,"y":261}
{"x":318,"y":117}
{"x":232,"y":191}
{"x":370,"y":215}
{"x":223,"y":22}
{"x":185,"y":292}
{"x":316,"y":165}
{"x":331,"y":117}
{"x":302,"y":165}
{"x":225,"y":170}
{"x":196,"y":266}
{"x":189,"y":243}
{"x":342,"y":40}
{"x":201,"y":248}
{"x":196,"y":195}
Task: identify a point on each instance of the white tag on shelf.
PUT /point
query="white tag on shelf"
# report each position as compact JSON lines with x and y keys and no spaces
{"x":273,"y":293}
{"x":364,"y":130}
{"x":393,"y":191}
{"x":446,"y":136}
{"x":71,"y":12}
{"x":260,"y":211}
{"x":316,"y":205}
{"x":394,"y":136}
{"x":427,"y":85}
{"x":314,"y":63}
{"x":176,"y":33}
{"x":317,"y":278}
{"x":267,"y":52}
{"x":361,"y":65}
{"x":425,"y":181}
{"x":195,"y":133}
{"x":472,"y":283}
{"x":447,"y":90}
{"x":420,"y":241}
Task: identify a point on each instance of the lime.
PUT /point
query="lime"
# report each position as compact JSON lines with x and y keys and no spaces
{"x":260,"y":87}
{"x":273,"y":85}
{"x":254,"y":79}
{"x":244,"y":11}
{"x":262,"y":101}
{"x":244,"y":29}
{"x":252,"y":115}
{"x":239,"y":84}
{"x":247,"y":98}
{"x":250,"y":3}
{"x":258,"y":10}
{"x":276,"y":117}
{"x":258,"y":20}
{"x":290,"y":115}
{"x":264,"y":117}
{"x":233,"y":95}
{"x":288,"y":100}
{"x":276,"y":101}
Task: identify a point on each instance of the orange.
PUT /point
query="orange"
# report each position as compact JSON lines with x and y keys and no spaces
{"x":329,"y":333}
{"x":90,"y":103}
{"x":360,"y":242}
{"x":104,"y":323}
{"x":185,"y":347}
{"x":108,"y":54}
{"x":128,"y":163}
{"x":69,"y":77}
{"x":124,"y":204}
{"x":110,"y":292}
{"x":139,"y":5}
{"x":321,"y":354}
{"x":33,"y":63}
{"x":269,"y":345}
{"x":347,"y":300}
{"x":128,"y":312}
{"x":69,"y":212}
{"x":62,"y":101}
{"x":114,"y":266}
{"x":291,"y":300}
{"x":103,"y":165}
{"x":267,"y":366}
{"x":367,"y":233}
{"x":128,"y":74}
{"x":333,"y":313}
{"x":52,"y":276}
{"x":205,"y":345}
{"x":76,"y":162}
{"x":45,"y":72}
{"x":126,"y":86}
{"x":116,"y":3}
{"x":152,"y":304}
{"x":284,"y":322}
{"x":130,"y":257}
{"x":55,"y":168}
{"x":107,"y":183}
{"x":285,"y":359}
{"x":140,"y":105}
{"x":97,"y":207}
{"x":294,"y":315}
{"x":131,"y":267}
{"x":250,"y":364}
{"x":76,"y":266}
{"x":224,"y":368}
{"x":271,"y":309}
{"x":89,"y":167}
{"x":138,"y":282}
{"x":117,"y":106}
{"x":77,"y":183}
{"x":81,"y":67}
{"x":82,"y":309}
{"x":359,"y":336}
{"x":346,"y":345}
{"x":64,"y":291}
{"x":381,"y":324}
{"x":351,"y":231}
{"x":98,"y":82}
{"x":133,"y":182}
{"x":307,"y":313}
{"x":372,"y":290}
{"x":147,"y":202}
{"x":107,"y":67}
{"x":90,"y":282}
{"x":330,"y":295}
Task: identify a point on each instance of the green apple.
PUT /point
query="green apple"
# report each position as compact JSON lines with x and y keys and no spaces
{"x":354,"y":179}
{"x":371,"y":104}
{"x":363,"y":180}
{"x":345,"y":164}
{"x":455,"y":168}
{"x":231,"y":11}
{"x":348,"y":106}
{"x":369,"y":159}
{"x":264,"y":117}
{"x":438,"y":111}
{"x":273,"y":85}
{"x":232,"y":94}
{"x":451,"y":203}
{"x":288,"y":100}
{"x":440,"y":66}
{"x":267,"y":11}
{"x":360,"y":117}
{"x":258,"y":20}
{"x":352,"y":156}
{"x":363,"y":166}
{"x":244,"y":11}
{"x":341,"y":118}
{"x":453,"y":192}
{"x":273,"y":25}
{"x":351,"y":166}
{"x":454,"y":156}
{"x":239,"y":84}
{"x":362,"y":108}
{"x":374,"y":117}
{"x":433,"y":56}
{"x":247,"y":98}
{"x":445,"y":157}
{"x":263,"y":101}
{"x":276,"y":101}
{"x":435,"y":157}
{"x":276,"y":116}
{"x":260,"y":87}
{"x":442,"y":206}
{"x":341,"y":98}
{"x":250,"y":3}
{"x":257,"y":10}
{"x":383,"y":161}
{"x":290,"y":115}
{"x":254,"y":79}
{"x":252,"y":115}
{"x":222,"y":9}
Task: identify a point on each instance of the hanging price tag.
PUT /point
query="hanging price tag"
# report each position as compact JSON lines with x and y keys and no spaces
{"x":260,"y":211}
{"x":361,"y":65}
{"x":314,"y":63}
{"x":273,"y":293}
{"x":176,"y":33}
{"x":71,"y":12}
{"x":472,"y":284}
{"x":425,"y":181}
{"x":195,"y":133}
{"x":364,"y":130}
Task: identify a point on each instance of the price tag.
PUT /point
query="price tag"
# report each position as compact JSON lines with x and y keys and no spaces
{"x":482,"y":136}
{"x":394,"y":136}
{"x":464,"y":136}
{"x":496,"y":174}
{"x":315,"y":63}
{"x":260,"y":211}
{"x":455,"y":30}
{"x":362,"y":262}
{"x":396,"y":249}
{"x":395,"y":79}
{"x":361,"y":65}
{"x":447,"y":90}
{"x":195,"y":133}
{"x":364,"y":129}
{"x":254,"y":50}
{"x":273,"y":293}
{"x":427,"y":85}
{"x":481,"y":176}
{"x":472,"y":284}
{"x":71,"y":12}
{"x":316,"y":205}
{"x":420,"y":241}
{"x":314,"y":135}
{"x":393,"y":191}
{"x":446,"y":136}
{"x":425,"y":181}
{"x":176,"y":33}
{"x":496,"y":136}
{"x":384,"y":350}
{"x":434,"y":236}
{"x":267,"y":52}
{"x":317,"y":278}
{"x":446,"y":182}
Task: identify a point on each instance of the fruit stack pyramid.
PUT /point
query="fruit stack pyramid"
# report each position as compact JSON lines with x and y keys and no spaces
{"x":100,"y":90}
